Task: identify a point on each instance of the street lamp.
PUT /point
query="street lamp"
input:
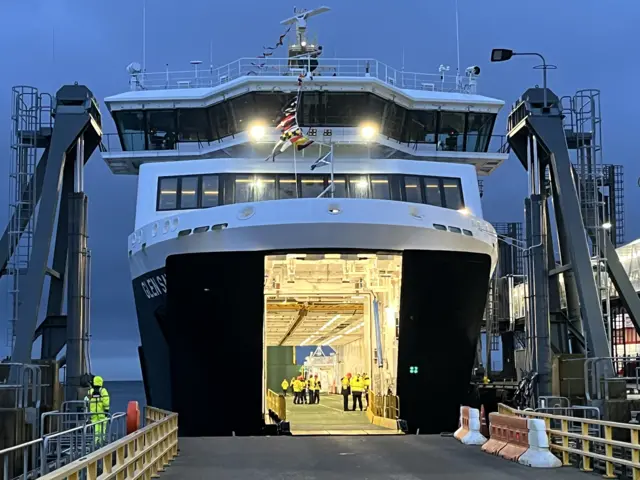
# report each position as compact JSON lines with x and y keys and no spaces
{"x":504,"y":54}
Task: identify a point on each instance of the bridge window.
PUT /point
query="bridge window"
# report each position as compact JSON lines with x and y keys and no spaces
{"x":131,"y":127}
{"x":412,"y":190}
{"x":432,"y":191}
{"x":210,"y":191}
{"x":421,"y":127}
{"x":311,"y":186}
{"x":479,"y":127}
{"x":451,"y":131}
{"x":193,"y":125}
{"x":168,"y":193}
{"x":189,"y":192}
{"x":452,"y":193}
{"x":161,"y":129}
{"x":339,"y":186}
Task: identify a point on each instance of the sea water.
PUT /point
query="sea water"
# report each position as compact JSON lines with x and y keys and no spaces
{"x":121,"y":393}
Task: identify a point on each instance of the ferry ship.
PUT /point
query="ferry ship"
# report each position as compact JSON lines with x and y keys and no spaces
{"x":293,"y":199}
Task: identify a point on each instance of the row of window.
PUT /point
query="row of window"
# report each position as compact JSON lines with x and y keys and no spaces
{"x":162,"y":129}
{"x":204,"y":191}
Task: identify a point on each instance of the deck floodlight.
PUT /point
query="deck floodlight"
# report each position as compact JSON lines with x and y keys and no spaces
{"x":464,"y":211}
{"x":368,"y":131}
{"x":606,"y":225}
{"x":501,"y":54}
{"x":257,"y":132}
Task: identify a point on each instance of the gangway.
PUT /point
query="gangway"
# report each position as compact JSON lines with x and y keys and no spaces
{"x":538,"y":138}
{"x":56,"y":187}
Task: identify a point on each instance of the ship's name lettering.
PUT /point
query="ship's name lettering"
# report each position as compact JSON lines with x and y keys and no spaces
{"x":155,"y":286}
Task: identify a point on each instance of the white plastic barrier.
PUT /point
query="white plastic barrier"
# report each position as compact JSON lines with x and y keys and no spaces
{"x":538,"y":455}
{"x":469,"y":431}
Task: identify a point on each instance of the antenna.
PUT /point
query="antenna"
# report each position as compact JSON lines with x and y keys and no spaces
{"x":300,"y":19}
{"x":457,"y":40}
{"x":144,"y":36}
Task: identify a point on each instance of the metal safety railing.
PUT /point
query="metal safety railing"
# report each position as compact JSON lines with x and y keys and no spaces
{"x":594,"y":445}
{"x":60,"y":447}
{"x":139,"y":455}
{"x":289,"y":67}
{"x":386,"y":406}
{"x":277,"y":404}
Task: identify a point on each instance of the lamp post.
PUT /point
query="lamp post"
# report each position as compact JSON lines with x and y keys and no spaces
{"x":503,"y":54}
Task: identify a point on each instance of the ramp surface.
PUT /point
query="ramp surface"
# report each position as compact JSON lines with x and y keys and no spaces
{"x":329,"y":418}
{"x":404,"y":457}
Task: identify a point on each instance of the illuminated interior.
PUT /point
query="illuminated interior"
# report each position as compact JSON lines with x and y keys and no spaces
{"x":346,"y":304}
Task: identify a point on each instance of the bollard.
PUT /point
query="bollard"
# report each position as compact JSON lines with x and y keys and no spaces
{"x":469,"y":431}
{"x":538,"y":455}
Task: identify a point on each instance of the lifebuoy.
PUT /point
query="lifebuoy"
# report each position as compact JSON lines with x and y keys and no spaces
{"x":133,"y":417}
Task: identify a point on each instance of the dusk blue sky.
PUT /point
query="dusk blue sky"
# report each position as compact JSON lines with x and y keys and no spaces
{"x":46,"y":43}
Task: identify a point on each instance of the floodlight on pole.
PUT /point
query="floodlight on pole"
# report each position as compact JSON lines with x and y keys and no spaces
{"x":504,"y":54}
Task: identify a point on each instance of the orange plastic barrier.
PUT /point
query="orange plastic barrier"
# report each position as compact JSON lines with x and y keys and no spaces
{"x":518,"y":438}
{"x":509,"y":436}
{"x":464,"y":424}
{"x":498,"y":435}
{"x":133,"y":417}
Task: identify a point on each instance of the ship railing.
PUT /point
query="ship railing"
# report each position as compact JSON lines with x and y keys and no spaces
{"x":141,"y":454}
{"x":140,"y":142}
{"x":277,"y":404}
{"x":593,"y":445}
{"x":293,"y":67}
{"x":51,"y":451}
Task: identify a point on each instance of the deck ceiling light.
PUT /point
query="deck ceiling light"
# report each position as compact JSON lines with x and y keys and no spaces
{"x":606,"y":225}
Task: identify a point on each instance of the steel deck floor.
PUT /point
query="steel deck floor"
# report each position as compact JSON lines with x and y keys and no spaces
{"x":371,"y":457}
{"x":329,"y":418}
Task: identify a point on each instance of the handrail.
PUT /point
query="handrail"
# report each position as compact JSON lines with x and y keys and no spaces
{"x":277,"y":404}
{"x":386,"y":406}
{"x":142,"y":454}
{"x":575,"y":438}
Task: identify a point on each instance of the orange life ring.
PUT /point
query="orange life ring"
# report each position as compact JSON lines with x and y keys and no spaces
{"x":133,"y":417}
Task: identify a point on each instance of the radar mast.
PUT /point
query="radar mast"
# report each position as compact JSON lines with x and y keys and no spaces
{"x":301,"y":45}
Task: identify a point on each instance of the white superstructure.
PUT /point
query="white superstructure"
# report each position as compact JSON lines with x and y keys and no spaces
{"x":401,"y":152}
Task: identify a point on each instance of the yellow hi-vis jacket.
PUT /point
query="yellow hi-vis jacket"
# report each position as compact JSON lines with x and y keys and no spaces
{"x":317,"y":385}
{"x":284,"y":384}
{"x":99,"y":402}
{"x":357,"y":384}
{"x":367,"y":381}
{"x":297,"y":386}
{"x":312,"y":384}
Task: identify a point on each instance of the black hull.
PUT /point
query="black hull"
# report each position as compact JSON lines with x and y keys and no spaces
{"x":201,"y":322}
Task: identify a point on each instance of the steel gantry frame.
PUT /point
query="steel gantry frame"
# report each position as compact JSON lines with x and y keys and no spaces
{"x":56,"y":186}
{"x":537,"y":137}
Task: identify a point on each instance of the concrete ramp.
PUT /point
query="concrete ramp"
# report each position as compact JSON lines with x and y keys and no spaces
{"x":403,"y":457}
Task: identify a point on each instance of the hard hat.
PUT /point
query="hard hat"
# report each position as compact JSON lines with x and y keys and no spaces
{"x":348,"y":375}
